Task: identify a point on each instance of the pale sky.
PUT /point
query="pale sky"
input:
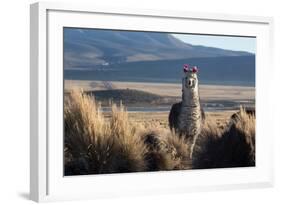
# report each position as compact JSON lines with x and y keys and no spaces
{"x":225,"y":42}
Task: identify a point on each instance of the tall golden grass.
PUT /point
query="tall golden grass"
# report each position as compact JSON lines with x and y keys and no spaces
{"x":95,"y":144}
{"x":166,"y":150}
{"x":232,"y":147}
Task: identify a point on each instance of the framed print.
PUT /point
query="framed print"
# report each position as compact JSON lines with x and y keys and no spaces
{"x":127,"y":102}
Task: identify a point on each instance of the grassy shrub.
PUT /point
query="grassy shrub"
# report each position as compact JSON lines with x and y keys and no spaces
{"x":132,"y":150}
{"x":166,"y":151}
{"x":233,"y":147}
{"x":95,"y":146}
{"x":182,"y":148}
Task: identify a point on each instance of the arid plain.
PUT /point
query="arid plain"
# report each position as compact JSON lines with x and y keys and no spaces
{"x":219,"y":101}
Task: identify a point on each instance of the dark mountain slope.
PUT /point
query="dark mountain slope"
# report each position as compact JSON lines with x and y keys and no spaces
{"x":234,"y":70}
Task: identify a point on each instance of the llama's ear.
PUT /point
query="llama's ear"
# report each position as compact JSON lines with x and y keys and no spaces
{"x":185,"y":68}
{"x":195,"y":69}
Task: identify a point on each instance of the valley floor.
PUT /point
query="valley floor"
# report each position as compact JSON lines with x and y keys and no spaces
{"x":160,"y":119}
{"x":212,"y":96}
{"x":207,"y":92}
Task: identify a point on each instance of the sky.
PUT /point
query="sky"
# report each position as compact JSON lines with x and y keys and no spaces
{"x":225,"y":42}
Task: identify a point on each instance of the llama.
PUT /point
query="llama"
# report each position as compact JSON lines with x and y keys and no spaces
{"x":186,"y":117}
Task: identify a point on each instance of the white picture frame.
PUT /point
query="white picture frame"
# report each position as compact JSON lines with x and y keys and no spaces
{"x":47,"y":182}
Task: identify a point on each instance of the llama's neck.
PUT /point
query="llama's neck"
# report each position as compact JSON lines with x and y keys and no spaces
{"x":191,"y":98}
{"x":190,"y":114}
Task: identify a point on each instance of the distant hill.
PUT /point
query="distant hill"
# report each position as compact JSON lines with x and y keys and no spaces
{"x":130,"y":97}
{"x":237,"y":70}
{"x":88,"y":49}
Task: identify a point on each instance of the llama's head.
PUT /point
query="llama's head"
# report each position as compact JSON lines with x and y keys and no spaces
{"x":190,"y":77}
{"x":189,"y":83}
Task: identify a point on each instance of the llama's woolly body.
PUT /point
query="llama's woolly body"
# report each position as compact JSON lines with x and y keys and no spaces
{"x":186,"y":117}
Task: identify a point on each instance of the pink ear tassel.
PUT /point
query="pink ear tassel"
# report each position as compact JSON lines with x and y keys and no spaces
{"x":185,"y":68}
{"x":195,"y":69}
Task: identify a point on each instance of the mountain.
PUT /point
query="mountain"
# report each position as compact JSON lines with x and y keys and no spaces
{"x":87,"y":49}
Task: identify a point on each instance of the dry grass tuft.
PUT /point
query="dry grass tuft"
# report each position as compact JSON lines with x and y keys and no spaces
{"x":166,"y":151}
{"x":132,"y":150}
{"x":95,"y":146}
{"x":233,"y":147}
